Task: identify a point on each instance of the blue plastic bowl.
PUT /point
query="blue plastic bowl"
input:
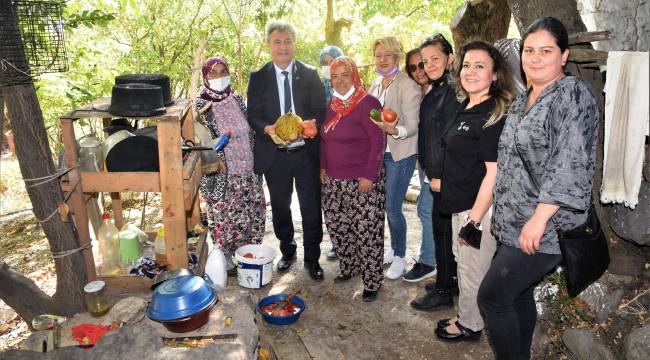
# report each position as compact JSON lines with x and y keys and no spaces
{"x":280,"y":320}
{"x":180,"y":297}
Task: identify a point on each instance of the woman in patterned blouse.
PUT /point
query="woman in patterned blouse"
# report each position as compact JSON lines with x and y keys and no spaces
{"x":234,"y":195}
{"x":545,"y":171}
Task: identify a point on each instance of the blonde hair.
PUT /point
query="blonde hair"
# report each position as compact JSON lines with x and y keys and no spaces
{"x":392,"y":44}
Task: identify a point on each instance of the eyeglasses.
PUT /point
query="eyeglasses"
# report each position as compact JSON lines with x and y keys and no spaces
{"x":413,"y":67}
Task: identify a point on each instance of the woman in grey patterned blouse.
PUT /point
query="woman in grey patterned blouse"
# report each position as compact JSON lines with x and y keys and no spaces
{"x":551,"y":133}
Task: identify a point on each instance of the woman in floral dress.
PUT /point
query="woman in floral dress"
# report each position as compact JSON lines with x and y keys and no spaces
{"x":234,"y":194}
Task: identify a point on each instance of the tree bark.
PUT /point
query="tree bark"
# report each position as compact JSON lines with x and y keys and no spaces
{"x":334,"y":27}
{"x":486,"y":20}
{"x":35,"y":161}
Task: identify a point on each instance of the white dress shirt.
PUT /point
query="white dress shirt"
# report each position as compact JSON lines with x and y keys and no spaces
{"x":280,"y":81}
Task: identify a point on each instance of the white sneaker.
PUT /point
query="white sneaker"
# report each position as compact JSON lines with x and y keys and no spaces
{"x":388,"y":256}
{"x":397,"y":268}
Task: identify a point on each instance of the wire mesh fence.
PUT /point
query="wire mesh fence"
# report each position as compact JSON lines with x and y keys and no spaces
{"x":32,"y":38}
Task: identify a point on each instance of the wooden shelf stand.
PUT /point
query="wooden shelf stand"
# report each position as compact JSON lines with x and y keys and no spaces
{"x":177,"y":181}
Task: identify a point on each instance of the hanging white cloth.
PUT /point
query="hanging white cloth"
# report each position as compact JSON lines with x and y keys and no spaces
{"x":626,"y":125}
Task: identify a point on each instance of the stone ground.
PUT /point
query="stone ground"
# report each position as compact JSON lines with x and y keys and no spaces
{"x":337,"y":324}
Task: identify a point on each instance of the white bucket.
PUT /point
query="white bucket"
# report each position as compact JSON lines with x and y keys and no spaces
{"x":254,"y":272}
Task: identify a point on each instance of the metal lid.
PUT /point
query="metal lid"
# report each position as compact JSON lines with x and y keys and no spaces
{"x":94,"y":286}
{"x":179,"y":298}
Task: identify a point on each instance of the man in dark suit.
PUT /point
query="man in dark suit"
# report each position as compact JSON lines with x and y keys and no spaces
{"x":280,"y":86}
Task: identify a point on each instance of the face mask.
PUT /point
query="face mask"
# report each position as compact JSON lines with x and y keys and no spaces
{"x":219,"y":84}
{"x":326,"y":71}
{"x":387,"y":73}
{"x":344,"y":96}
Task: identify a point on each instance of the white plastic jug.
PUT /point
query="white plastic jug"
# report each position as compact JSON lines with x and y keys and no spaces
{"x":215,"y":267}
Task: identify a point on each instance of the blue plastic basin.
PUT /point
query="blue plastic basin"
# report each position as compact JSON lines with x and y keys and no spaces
{"x":180,"y":297}
{"x":280,"y":320}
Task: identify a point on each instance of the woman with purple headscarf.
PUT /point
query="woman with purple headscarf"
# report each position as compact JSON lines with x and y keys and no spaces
{"x":234,"y":195}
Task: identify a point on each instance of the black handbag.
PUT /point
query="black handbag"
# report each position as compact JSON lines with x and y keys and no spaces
{"x":584,"y":248}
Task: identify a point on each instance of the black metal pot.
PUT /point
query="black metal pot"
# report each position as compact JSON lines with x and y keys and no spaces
{"x":161,"y":80}
{"x":136,"y":100}
{"x":135,"y":153}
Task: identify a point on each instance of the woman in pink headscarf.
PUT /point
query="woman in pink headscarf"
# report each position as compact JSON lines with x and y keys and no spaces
{"x":234,"y":195}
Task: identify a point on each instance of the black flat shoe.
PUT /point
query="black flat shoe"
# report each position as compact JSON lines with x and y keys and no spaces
{"x":285,"y":263}
{"x":463,"y":334}
{"x":433,"y":300}
{"x":342,"y":278}
{"x":369,"y":295}
{"x":315,"y":271}
{"x":446,"y":322}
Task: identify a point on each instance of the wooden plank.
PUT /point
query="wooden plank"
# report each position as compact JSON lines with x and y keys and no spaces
{"x":120,"y":181}
{"x":124,"y":284}
{"x":187,"y":125}
{"x":94,"y":213}
{"x":191,"y":188}
{"x":190,"y":164}
{"x":99,"y":109}
{"x":116,"y":205}
{"x":202,"y":254}
{"x":76,"y":202}
{"x":589,"y":36}
{"x":320,"y":344}
{"x":171,"y":188}
{"x":579,"y":55}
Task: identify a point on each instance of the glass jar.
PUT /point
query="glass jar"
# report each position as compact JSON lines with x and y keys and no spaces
{"x":90,"y":153}
{"x":95,"y":296}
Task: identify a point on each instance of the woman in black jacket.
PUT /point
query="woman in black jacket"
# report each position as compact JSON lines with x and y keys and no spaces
{"x":436,"y":113}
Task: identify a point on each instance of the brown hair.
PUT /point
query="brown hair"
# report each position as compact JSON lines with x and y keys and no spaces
{"x":501,"y":89}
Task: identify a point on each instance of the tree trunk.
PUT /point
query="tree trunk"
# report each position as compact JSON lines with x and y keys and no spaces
{"x":35,"y":161}
{"x":525,"y":12}
{"x":486,"y":20}
{"x":334,"y":27}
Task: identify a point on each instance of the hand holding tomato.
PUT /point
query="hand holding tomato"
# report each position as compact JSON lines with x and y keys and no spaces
{"x":310,"y":129}
{"x":389,"y":115}
{"x":388,"y":120}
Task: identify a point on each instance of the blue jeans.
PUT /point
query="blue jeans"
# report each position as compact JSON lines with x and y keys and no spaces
{"x":425,"y":205}
{"x":398,"y":177}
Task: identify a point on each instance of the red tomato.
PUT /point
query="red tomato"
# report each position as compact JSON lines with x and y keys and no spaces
{"x":310,"y":132}
{"x":389,"y":115}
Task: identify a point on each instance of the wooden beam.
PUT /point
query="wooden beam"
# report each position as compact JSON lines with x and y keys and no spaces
{"x":581,"y":55}
{"x":171,"y":188}
{"x":589,"y":36}
{"x":77,"y":204}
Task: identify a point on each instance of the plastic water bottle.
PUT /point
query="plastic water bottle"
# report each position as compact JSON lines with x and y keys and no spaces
{"x":159,"y":247}
{"x":222,"y":141}
{"x":109,"y":244}
{"x":215,"y":268}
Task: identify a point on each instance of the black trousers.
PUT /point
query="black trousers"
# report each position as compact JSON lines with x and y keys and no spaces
{"x":445,"y":262}
{"x":289,"y":168}
{"x":506,"y":299}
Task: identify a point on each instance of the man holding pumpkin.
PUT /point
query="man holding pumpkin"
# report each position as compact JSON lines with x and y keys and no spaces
{"x":283,"y":85}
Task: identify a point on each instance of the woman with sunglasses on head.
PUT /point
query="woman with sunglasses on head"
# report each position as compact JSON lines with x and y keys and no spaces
{"x":544,"y":180}
{"x":426,"y":264}
{"x":398,"y":92}
{"x":436,"y":113}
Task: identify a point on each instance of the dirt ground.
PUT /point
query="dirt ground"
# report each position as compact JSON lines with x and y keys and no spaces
{"x":336,"y":324}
